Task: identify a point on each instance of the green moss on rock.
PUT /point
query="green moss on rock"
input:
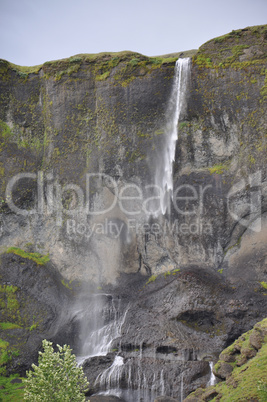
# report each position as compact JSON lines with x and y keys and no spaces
{"x":239,"y":49}
{"x":36,"y":257}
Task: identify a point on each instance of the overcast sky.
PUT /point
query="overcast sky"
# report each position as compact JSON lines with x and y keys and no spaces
{"x":34,"y":31}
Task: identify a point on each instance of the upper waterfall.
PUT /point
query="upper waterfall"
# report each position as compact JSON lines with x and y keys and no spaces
{"x":176,"y":106}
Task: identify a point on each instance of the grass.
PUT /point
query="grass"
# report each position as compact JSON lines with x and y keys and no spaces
{"x":8,"y":325}
{"x":225,"y":51}
{"x":245,"y":380}
{"x":4,"y":355}
{"x":33,"y":326}
{"x":10,"y":391}
{"x":36,"y":257}
{"x":248,"y":380}
{"x":101,"y":64}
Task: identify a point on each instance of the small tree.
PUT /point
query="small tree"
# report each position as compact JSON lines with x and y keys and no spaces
{"x":56,"y":378}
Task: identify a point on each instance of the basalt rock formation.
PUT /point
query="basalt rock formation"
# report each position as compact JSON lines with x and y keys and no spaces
{"x":81,"y":139}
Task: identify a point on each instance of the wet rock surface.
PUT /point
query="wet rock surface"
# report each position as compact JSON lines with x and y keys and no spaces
{"x":105,"y":398}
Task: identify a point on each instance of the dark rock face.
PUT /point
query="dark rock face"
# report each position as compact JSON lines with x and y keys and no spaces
{"x":35,"y":302}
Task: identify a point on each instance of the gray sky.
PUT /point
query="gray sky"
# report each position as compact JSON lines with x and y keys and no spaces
{"x":35,"y":31}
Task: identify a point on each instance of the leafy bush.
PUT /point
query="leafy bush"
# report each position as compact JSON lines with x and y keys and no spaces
{"x":56,"y":378}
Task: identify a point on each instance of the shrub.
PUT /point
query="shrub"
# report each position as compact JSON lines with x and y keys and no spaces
{"x":56,"y":378}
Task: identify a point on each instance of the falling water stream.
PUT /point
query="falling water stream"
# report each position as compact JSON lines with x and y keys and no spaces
{"x":103,"y":318}
{"x":175,"y":109}
{"x":212,"y":380}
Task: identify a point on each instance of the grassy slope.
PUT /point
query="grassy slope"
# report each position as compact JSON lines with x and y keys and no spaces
{"x":248,"y":380}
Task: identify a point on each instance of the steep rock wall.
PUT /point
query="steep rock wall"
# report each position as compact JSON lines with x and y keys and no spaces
{"x":106,"y":114}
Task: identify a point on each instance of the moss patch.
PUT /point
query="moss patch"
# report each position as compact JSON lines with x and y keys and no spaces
{"x":9,"y":325}
{"x":36,"y":257}
{"x":233,"y":49}
{"x":218,"y":169}
{"x":151,"y":279}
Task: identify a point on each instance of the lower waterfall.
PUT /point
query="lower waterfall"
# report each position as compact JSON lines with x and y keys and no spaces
{"x":212,"y":380}
{"x":136,"y":374}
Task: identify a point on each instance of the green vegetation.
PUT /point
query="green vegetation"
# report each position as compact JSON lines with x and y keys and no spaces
{"x":9,"y":325}
{"x":264,"y":284}
{"x":264,"y":88}
{"x":5,"y":132}
{"x":33,"y":326}
{"x":248,"y":379}
{"x":218,"y":169}
{"x":225,"y":51}
{"x":151,"y":279}
{"x":36,"y":257}
{"x":183,"y":124}
{"x":4,"y":355}
{"x":66,"y":284}
{"x":173,"y":272}
{"x":101,"y":65}
{"x":8,"y":301}
{"x":262,"y":388}
{"x":56,"y":378}
{"x":24,"y":71}
{"x":11,"y":390}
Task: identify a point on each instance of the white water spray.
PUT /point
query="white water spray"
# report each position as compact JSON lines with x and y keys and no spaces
{"x":110,"y":378}
{"x":102,"y":325}
{"x":176,"y":107}
{"x":212,"y":380}
{"x":182,"y":387}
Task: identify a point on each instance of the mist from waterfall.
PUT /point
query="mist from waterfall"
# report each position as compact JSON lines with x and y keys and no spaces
{"x":175,"y":110}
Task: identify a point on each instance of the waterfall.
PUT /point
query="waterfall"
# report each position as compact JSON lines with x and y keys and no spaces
{"x":175,"y":109}
{"x":182,"y":387}
{"x":102,"y":321}
{"x":110,"y":378}
{"x":162,"y":384}
{"x":212,"y":380}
